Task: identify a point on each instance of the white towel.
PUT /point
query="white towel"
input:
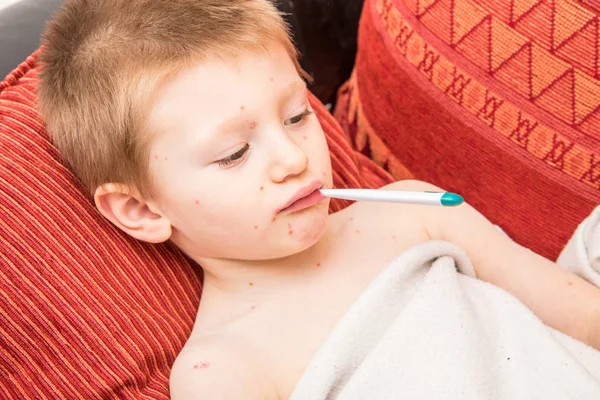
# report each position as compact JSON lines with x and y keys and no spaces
{"x":582,"y":254}
{"x":422,"y":330}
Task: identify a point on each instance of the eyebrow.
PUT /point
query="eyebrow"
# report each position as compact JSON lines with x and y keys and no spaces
{"x":238,"y":121}
{"x":292,"y":89}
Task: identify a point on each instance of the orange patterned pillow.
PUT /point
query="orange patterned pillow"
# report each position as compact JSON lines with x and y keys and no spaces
{"x":85,"y":311}
{"x":496,"y":100}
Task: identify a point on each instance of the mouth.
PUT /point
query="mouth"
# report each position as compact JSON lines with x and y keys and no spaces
{"x":305,"y":197}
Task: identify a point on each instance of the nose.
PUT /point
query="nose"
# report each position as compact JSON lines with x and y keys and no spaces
{"x":287,"y":159}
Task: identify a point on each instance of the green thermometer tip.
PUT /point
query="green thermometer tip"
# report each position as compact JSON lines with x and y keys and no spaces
{"x":451,"y":199}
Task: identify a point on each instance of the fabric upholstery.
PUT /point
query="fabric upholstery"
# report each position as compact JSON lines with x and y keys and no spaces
{"x":496,"y":100}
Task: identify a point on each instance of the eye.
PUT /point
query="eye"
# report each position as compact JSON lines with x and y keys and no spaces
{"x":298,"y":118}
{"x":234,"y":157}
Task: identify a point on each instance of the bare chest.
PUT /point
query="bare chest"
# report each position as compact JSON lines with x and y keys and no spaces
{"x":290,"y":336}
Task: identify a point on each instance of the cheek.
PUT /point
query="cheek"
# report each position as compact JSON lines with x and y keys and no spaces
{"x":213,"y":206}
{"x":322,"y":152}
{"x":204,"y":218}
{"x":203,"y":202}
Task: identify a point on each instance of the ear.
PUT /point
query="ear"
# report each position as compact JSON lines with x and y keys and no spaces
{"x":126,"y":209}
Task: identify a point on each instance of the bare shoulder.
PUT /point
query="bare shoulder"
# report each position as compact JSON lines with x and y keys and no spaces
{"x":393,"y":212}
{"x":436,"y":219}
{"x":417,"y":217}
{"x":403,"y":223}
{"x":218,"y":369}
{"x":411,"y":185}
{"x":462,"y":225}
{"x":454,"y":224}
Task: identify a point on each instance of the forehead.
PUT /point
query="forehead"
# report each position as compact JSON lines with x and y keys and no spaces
{"x":215,"y":86}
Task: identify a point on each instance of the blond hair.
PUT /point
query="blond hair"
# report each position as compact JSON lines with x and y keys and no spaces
{"x":102,"y":60}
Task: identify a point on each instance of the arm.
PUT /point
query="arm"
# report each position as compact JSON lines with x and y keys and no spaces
{"x":215,"y":371}
{"x":560,"y":299}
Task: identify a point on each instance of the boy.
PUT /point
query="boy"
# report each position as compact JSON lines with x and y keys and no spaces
{"x":188,"y":121}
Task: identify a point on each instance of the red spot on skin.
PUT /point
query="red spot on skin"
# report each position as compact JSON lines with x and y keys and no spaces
{"x":262,"y":188}
{"x":272,"y":80}
{"x":318,"y":265}
{"x":242,"y":108}
{"x":253,"y":307}
{"x":252,"y":125}
{"x":203,"y":364}
{"x":290,"y":232}
{"x":274,"y":219}
{"x":304,"y":137}
{"x":251,"y":284}
{"x":289,"y":226}
{"x":166,"y":158}
{"x":357,"y":231}
{"x":156,"y":157}
{"x":255,"y":226}
{"x":323,"y":174}
{"x":197,"y":202}
{"x":393,"y":237}
{"x":351,"y":219}
{"x":570,"y":283}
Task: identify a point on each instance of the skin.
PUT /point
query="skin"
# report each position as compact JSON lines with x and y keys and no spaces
{"x":267,"y":302}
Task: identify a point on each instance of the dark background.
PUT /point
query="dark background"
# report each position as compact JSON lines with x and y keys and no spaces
{"x":325,"y":33}
{"x":324,"y":30}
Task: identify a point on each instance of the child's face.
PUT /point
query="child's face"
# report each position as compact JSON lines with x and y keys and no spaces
{"x":235,"y":141}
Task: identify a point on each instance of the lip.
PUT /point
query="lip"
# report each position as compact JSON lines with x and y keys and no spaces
{"x":302,"y":193}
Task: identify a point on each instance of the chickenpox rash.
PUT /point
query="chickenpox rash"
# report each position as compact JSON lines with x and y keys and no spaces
{"x":251,"y":284}
{"x":203,"y":364}
{"x":252,"y":125}
{"x":570,"y":283}
{"x":262,"y":188}
{"x":242,"y":108}
{"x":255,"y":226}
{"x":253,"y":307}
{"x":156,"y":157}
{"x":357,"y":231}
{"x":318,"y":265}
{"x":304,"y":137}
{"x":271,"y":79}
{"x":274,"y":219}
{"x":197,"y":202}
{"x":291,"y":232}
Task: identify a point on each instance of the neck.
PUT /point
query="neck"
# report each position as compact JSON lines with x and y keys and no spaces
{"x":245,"y":280}
{"x":233,"y":288}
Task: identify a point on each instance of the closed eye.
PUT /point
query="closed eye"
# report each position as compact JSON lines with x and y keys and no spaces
{"x":298,"y":118}
{"x":234,"y":157}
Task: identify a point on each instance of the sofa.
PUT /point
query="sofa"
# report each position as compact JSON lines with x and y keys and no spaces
{"x":495,"y":101}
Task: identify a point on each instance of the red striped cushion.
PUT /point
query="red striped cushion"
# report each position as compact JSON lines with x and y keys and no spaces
{"x":85,"y":311}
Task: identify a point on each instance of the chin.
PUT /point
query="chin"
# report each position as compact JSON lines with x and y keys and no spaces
{"x":306,"y":232}
{"x":309,"y":231}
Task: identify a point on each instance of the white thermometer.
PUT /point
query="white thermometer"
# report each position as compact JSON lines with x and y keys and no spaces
{"x":446,"y":199}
